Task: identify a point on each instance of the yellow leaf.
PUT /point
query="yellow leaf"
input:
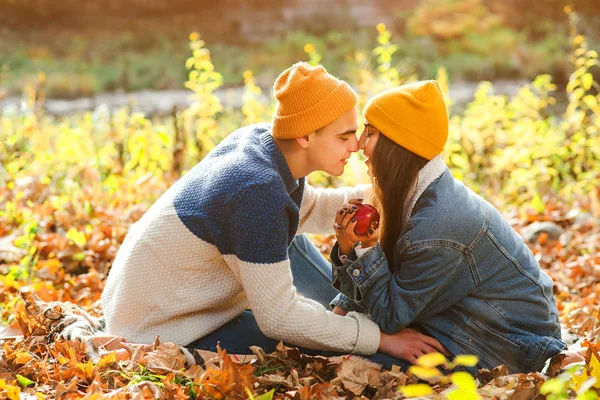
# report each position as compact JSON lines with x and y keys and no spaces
{"x":87,"y":368}
{"x":587,"y":80}
{"x":595,"y":370}
{"x":465,"y":360}
{"x":416,"y":390}
{"x":424,"y":373}
{"x":464,"y":380}
{"x":590,"y":101}
{"x":578,"y":39}
{"x":72,"y":355}
{"x":108,"y":358}
{"x":23,"y":357}
{"x":12,"y":392}
{"x":309,"y":48}
{"x":63,"y":360}
{"x":431,"y":360}
{"x":579,"y":378}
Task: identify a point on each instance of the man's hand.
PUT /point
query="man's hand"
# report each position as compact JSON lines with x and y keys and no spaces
{"x":409,"y":345}
{"x":339,"y":311}
{"x":344,"y":229}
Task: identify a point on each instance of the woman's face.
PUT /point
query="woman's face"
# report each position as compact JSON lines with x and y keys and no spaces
{"x":368,"y":140}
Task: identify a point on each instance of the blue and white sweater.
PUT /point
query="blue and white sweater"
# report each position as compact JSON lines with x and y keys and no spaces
{"x":217,"y":242}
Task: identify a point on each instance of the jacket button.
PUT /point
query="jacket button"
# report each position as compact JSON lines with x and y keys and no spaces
{"x":356,"y":272}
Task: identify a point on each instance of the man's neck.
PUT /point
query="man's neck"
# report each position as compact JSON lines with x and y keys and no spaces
{"x":294,"y":157}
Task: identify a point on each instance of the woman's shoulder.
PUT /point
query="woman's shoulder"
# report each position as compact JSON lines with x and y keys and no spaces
{"x":447,"y":211}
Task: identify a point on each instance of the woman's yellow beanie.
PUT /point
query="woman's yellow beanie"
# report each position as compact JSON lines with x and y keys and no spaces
{"x":308,"y":98}
{"x":413,"y":115}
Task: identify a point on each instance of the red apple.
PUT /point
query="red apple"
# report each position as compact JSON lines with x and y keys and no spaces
{"x":367,"y":217}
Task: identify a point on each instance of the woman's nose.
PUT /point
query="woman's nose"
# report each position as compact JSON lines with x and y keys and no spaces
{"x":361,"y":142}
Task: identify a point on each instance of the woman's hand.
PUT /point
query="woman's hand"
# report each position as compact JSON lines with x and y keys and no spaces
{"x":345,"y":221}
{"x":409,"y":345}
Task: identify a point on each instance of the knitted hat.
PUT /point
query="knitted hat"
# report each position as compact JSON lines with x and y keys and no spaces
{"x":413,"y":115}
{"x":308,"y":98}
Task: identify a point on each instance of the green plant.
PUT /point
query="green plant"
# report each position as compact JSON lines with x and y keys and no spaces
{"x":203,"y":80}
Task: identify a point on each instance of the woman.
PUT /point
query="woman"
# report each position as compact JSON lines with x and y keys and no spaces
{"x":445,"y":262}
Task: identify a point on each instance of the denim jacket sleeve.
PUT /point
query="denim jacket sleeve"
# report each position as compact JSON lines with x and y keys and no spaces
{"x":339,"y":280}
{"x":430,"y":278}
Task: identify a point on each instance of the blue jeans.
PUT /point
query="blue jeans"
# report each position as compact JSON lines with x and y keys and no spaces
{"x":312,"y":278}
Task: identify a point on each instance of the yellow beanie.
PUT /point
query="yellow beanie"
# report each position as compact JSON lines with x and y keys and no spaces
{"x":308,"y":98}
{"x":413,"y":115}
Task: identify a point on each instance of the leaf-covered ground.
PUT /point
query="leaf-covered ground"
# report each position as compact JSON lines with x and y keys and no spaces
{"x":73,"y":246}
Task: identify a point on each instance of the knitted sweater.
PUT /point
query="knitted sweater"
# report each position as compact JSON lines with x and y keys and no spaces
{"x":217,"y":242}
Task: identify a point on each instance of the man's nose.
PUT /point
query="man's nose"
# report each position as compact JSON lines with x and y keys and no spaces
{"x":355,"y":145}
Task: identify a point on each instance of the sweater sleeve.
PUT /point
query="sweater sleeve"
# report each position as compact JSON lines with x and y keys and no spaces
{"x":258,"y":228}
{"x":319,"y":206}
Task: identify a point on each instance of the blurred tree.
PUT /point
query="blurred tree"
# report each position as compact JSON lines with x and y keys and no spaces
{"x":540,"y":17}
{"x":450,"y":19}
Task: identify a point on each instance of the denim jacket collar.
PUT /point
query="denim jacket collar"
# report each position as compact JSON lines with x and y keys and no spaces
{"x":427,"y":175}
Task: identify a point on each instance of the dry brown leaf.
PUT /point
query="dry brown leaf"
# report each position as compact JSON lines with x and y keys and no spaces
{"x":268,"y":381}
{"x":357,"y":373}
{"x":145,"y":391}
{"x":166,"y":357}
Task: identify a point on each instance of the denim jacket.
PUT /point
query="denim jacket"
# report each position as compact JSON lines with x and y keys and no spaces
{"x":463,"y":276}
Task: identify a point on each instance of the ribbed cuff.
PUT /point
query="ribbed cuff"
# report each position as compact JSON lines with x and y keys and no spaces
{"x":369,"y":335}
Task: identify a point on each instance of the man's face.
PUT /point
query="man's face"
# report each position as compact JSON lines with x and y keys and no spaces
{"x":333,"y":144}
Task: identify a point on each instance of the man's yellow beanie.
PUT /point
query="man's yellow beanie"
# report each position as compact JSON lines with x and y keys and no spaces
{"x":413,"y":115}
{"x":308,"y":98}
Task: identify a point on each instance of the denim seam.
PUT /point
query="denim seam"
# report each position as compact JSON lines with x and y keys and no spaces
{"x":482,"y":232}
{"x":309,"y":259}
{"x":540,"y":350}
{"x":481,"y":327}
{"x":482,"y":355}
{"x":347,"y":302}
{"x":473,"y":267}
{"x":517,"y":265}
{"x":500,"y":313}
{"x":359,"y":281}
{"x":407,"y":243}
{"x":425,"y":244}
{"x":434,"y":294}
{"x":375,"y":267}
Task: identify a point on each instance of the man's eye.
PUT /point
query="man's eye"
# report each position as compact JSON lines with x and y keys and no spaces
{"x":344,"y":139}
{"x":367,"y":134}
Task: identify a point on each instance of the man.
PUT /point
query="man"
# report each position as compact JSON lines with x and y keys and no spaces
{"x":224,"y":237}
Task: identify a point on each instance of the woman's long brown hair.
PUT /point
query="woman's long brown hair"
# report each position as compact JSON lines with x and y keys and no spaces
{"x":395,"y":173}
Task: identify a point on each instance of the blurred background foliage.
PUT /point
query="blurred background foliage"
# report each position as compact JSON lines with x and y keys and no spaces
{"x":90,"y":47}
{"x":522,"y":151}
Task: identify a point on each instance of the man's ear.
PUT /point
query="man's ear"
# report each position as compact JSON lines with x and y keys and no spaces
{"x":303,"y":141}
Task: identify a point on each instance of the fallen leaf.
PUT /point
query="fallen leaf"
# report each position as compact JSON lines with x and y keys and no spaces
{"x":356,"y":374}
